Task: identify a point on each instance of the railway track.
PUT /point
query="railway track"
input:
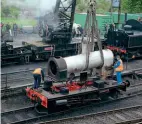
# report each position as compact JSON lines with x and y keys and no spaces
{"x":14,"y":83}
{"x":10,"y":102}
{"x":29,"y":115}
{"x":13,"y":79}
{"x":16,"y":79}
{"x":128,"y":115}
{"x":24,"y":78}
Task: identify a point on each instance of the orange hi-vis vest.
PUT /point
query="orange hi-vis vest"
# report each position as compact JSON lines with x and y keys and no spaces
{"x":120,"y":67}
{"x":37,"y":71}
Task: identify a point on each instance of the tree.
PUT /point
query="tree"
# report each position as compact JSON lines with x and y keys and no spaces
{"x":132,"y":6}
{"x":3,"y":2}
{"x":129,"y":6}
{"x":14,"y":11}
{"x":9,"y":10}
{"x":81,"y":6}
{"x":102,"y":6}
{"x":5,"y":11}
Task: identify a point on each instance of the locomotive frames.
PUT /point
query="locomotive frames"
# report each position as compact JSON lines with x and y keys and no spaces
{"x":126,"y":42}
{"x":75,"y":93}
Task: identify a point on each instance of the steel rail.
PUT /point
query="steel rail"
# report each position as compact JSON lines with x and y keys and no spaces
{"x":19,"y":90}
{"x":62,"y":112}
{"x":22,"y":85}
{"x":132,"y":108}
{"x":23,"y":79}
{"x":17,"y":110}
{"x":18,"y":87}
{"x":133,"y":121}
{"x":127,"y":71}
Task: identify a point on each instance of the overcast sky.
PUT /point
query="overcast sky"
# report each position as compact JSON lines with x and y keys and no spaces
{"x":47,"y":4}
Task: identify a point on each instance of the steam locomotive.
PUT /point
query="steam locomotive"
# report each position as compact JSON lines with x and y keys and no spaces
{"x":126,"y":42}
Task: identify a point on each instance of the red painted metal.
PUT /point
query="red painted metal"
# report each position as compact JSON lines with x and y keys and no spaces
{"x":38,"y":96}
{"x":113,"y":48}
{"x":33,"y":95}
{"x":48,"y":48}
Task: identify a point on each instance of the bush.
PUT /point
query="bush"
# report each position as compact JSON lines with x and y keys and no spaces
{"x":20,"y":22}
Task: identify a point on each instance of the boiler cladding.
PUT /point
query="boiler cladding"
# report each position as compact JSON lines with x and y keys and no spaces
{"x":75,"y":64}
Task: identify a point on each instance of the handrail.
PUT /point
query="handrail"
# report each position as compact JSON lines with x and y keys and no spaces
{"x":31,"y":69}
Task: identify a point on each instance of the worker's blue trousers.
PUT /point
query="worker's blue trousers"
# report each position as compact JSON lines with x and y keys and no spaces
{"x":119,"y":78}
{"x":37,"y":81}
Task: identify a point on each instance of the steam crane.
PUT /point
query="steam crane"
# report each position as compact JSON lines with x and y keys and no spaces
{"x":55,"y":29}
{"x":87,"y":59}
{"x":55,"y":94}
{"x":59,"y":23}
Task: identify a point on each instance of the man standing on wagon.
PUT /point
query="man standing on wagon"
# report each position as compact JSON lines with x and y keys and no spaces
{"x":118,"y":68}
{"x":38,"y":74}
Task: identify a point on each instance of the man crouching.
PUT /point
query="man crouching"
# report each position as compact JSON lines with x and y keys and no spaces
{"x":38,"y":74}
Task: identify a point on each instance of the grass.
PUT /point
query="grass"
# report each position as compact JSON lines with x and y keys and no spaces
{"x":20,"y":22}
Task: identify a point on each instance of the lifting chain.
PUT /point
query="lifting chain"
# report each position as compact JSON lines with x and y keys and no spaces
{"x":91,"y":31}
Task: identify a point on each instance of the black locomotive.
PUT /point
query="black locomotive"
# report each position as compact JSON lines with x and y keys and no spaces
{"x":126,"y":42}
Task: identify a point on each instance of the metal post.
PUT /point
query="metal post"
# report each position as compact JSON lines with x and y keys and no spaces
{"x":125,"y":17}
{"x":119,"y":11}
{"x":111,"y":8}
{"x":127,"y":62}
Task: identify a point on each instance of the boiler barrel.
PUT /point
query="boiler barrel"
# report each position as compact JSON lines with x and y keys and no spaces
{"x":60,"y":67}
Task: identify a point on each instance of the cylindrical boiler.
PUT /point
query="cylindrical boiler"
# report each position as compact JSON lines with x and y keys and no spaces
{"x":61,"y":67}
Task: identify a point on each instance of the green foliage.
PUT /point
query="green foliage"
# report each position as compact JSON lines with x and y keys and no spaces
{"x":19,"y":21}
{"x":81,"y":6}
{"x":102,"y":6}
{"x":14,"y":11}
{"x":129,"y":6}
{"x":78,"y":2}
{"x":132,"y":6}
{"x":7,"y":10}
{"x":3,"y":2}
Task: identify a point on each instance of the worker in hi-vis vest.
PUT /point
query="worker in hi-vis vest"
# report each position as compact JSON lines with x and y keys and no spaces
{"x":118,"y":68}
{"x":38,"y":74}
